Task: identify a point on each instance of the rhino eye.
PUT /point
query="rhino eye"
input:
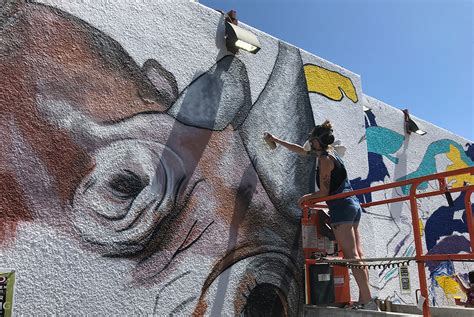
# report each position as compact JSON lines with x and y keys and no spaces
{"x":127,"y":184}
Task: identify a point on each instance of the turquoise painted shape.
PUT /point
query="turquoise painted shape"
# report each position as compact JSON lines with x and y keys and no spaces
{"x":384,"y":141}
{"x":428,"y":164}
{"x":391,"y":273}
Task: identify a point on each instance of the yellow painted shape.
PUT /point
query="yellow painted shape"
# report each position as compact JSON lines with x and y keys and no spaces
{"x":449,"y":285}
{"x":458,"y":163}
{"x":422,"y":227}
{"x":329,"y":83}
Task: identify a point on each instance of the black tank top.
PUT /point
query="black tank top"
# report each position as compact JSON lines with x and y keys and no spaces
{"x":338,"y":175}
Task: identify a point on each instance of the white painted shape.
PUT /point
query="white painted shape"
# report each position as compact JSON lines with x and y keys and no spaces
{"x":338,"y":281}
{"x":324,"y":277}
{"x":458,"y":215}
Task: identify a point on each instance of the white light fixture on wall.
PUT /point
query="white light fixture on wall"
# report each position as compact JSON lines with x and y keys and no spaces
{"x":238,"y":38}
{"x":410,"y":125}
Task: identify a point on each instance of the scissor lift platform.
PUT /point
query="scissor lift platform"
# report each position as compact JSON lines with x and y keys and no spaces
{"x":421,"y":257}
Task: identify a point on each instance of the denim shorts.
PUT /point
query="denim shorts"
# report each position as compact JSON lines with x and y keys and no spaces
{"x":346,"y":210}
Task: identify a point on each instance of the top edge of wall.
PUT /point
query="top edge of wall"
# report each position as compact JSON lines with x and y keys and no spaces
{"x":260,"y":32}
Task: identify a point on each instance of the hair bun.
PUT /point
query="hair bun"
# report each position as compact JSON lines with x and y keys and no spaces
{"x":327,"y":139}
{"x":327,"y":125}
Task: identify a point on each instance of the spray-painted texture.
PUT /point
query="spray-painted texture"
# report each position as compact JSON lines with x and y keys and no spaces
{"x":134,"y":178}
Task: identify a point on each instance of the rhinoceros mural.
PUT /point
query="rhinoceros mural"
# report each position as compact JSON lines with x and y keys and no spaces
{"x":120,"y":193}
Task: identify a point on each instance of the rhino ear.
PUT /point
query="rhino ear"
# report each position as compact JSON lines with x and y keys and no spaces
{"x":216,"y":98}
{"x":166,"y":88}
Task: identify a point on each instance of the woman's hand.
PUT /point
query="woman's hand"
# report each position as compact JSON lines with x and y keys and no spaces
{"x":270,"y":137}
{"x":272,"y":141}
{"x":303,"y":199}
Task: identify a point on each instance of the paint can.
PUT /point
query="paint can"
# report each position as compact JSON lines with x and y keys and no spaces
{"x":271,"y":144}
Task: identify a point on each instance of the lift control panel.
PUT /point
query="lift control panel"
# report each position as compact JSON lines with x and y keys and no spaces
{"x":325,"y":284}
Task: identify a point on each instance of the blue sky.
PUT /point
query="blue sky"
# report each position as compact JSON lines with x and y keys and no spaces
{"x":415,"y":54}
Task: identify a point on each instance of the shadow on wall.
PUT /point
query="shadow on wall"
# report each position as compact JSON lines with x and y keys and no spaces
{"x":444,"y":222}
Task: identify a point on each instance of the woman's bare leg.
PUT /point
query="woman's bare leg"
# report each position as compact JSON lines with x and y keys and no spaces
{"x":345,"y":237}
{"x":359,"y":251}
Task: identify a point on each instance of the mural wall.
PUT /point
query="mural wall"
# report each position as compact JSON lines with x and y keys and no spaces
{"x":134,"y":177}
{"x":395,"y":156}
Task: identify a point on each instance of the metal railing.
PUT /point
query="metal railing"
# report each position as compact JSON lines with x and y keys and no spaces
{"x":412,"y":197}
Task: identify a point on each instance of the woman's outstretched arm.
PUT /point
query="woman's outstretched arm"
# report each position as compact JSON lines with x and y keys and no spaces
{"x":290,"y":146}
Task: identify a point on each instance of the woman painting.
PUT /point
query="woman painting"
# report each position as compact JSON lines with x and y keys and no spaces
{"x":345,"y":213}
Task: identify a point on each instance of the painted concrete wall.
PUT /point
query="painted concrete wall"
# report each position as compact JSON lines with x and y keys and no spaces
{"x":134,"y":177}
{"x":393,"y":156}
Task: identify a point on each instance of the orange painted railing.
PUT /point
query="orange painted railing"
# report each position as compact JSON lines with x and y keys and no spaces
{"x":412,"y":198}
